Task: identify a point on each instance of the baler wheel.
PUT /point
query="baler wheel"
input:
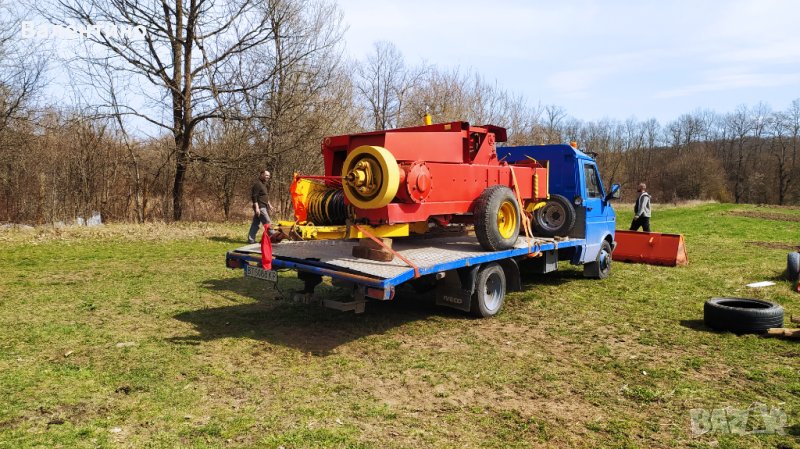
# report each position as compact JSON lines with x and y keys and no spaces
{"x":371,"y":177}
{"x":497,"y":218}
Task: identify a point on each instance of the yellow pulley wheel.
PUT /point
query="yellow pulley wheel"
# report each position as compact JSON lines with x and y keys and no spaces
{"x":371,"y":177}
{"x":507,"y":219}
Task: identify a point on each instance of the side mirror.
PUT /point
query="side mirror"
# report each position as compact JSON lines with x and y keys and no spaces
{"x":614,"y":193}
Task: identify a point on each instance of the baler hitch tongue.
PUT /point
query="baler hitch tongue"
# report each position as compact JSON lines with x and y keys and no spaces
{"x":653,"y":248}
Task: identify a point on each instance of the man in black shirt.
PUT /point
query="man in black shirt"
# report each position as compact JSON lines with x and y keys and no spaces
{"x":261,"y":205}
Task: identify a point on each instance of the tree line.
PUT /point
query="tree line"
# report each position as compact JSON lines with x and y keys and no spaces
{"x":175,"y":122}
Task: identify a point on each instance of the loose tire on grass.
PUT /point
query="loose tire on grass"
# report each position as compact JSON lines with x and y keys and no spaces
{"x":490,"y":291}
{"x":497,"y":218}
{"x":555,"y":218}
{"x":742,"y":315}
{"x":601,"y":267}
{"x":793,"y":266}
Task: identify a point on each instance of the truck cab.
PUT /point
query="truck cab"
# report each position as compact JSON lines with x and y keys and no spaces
{"x":574,"y":175}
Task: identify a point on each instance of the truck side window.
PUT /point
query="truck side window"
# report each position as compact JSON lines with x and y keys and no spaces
{"x":592,"y":181}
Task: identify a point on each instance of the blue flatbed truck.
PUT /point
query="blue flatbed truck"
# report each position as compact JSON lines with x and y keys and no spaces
{"x":463,"y":274}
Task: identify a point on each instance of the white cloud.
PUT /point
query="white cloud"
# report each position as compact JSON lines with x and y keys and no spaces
{"x":613,"y":52}
{"x":731,"y":81}
{"x":785,"y":51}
{"x":579,"y":81}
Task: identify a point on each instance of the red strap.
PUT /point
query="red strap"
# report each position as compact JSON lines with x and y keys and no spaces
{"x":266,"y":249}
{"x":388,"y":248}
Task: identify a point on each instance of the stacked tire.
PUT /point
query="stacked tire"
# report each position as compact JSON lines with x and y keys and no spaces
{"x":793,"y":266}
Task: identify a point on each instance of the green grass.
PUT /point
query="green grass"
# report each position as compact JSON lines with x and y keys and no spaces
{"x":138,"y":336}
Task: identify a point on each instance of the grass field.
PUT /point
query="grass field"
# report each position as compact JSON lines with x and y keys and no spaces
{"x":137,"y":336}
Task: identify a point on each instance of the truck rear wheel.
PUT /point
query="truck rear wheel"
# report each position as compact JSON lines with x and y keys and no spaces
{"x":555,"y":218}
{"x":490,"y":291}
{"x":497,"y":218}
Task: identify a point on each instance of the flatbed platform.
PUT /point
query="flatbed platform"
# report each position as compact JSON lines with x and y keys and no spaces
{"x":431,"y":255}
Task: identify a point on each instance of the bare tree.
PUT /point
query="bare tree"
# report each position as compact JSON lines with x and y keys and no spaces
{"x":308,"y":96}
{"x":190,"y":51}
{"x":553,"y":117}
{"x":784,"y":129}
{"x":22,"y":69}
{"x":383,"y":82}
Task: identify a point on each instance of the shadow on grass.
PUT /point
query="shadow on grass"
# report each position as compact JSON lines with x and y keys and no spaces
{"x":556,"y":278}
{"x":222,"y":239}
{"x":698,"y":325}
{"x":306,"y":327}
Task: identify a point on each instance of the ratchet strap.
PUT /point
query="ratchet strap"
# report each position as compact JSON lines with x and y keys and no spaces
{"x":526,"y":221}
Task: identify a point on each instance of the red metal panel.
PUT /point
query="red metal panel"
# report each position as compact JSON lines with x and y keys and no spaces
{"x":411,"y":212}
{"x":425,"y":146}
{"x":652,"y":248}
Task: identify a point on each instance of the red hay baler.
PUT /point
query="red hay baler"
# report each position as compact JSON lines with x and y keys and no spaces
{"x":446,"y":172}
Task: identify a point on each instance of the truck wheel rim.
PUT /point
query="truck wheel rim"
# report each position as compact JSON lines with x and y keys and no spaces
{"x":493,"y":293}
{"x":507,"y":219}
{"x":605,"y":260}
{"x":553,"y":216}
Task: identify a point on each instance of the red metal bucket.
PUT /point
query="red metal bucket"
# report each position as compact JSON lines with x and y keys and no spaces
{"x":652,"y":248}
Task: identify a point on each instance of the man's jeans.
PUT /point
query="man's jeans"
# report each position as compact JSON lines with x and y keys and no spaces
{"x":258,"y":221}
{"x":643,"y":222}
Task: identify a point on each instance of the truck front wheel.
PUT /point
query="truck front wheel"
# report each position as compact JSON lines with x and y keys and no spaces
{"x":601,"y":267}
{"x":497,"y":218}
{"x":490,"y":291}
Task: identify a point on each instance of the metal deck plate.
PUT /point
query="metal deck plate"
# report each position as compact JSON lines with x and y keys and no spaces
{"x":425,"y":253}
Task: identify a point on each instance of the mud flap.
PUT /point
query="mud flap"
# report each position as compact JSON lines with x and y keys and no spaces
{"x":456,"y":288}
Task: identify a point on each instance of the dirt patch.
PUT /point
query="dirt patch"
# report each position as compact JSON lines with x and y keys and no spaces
{"x":778,"y":206}
{"x":777,"y":216}
{"x":776,"y":245}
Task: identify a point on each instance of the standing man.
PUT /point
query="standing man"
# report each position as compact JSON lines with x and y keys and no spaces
{"x":641,"y":210}
{"x":261,"y":205}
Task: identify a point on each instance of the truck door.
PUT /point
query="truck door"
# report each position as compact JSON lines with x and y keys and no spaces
{"x":597,"y":210}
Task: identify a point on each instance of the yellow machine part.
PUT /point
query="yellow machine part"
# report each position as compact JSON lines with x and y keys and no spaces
{"x":507,"y":219}
{"x":533,"y":206}
{"x":371,"y":177}
{"x":309,"y":231}
{"x":300,"y":191}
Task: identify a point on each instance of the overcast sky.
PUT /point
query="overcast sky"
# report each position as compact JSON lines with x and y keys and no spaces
{"x":598,"y":59}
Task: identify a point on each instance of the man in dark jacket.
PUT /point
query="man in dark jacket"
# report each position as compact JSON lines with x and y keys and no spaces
{"x":261,"y":205}
{"x":641,"y":210}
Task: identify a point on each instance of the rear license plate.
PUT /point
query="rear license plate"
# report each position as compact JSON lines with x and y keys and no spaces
{"x":260,"y":273}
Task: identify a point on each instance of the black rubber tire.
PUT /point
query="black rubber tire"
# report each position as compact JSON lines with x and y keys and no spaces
{"x":555,"y":218}
{"x":601,"y":267}
{"x":490,"y":291}
{"x":485,"y":217}
{"x":742,"y":315}
{"x":793,"y":266}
